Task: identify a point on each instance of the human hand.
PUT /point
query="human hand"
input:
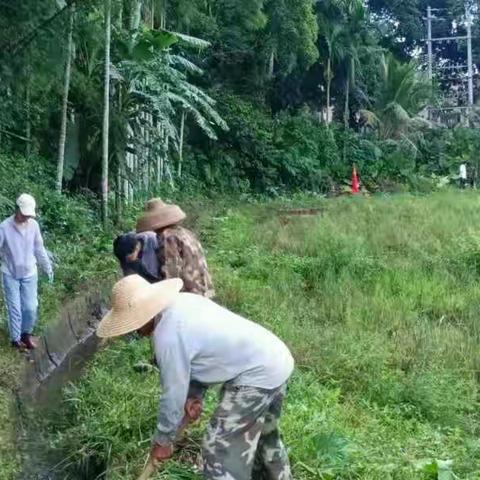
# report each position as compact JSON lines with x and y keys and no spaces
{"x":50,"y":278}
{"x":193,"y":409}
{"x":160,"y":453}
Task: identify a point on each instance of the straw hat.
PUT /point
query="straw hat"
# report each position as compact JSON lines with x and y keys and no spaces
{"x":135,"y":302}
{"x":159,"y":215}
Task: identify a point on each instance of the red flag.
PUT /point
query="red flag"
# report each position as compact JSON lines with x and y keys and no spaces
{"x":355,"y":182}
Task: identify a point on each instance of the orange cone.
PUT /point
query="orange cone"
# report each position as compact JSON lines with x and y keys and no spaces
{"x":355,"y":182}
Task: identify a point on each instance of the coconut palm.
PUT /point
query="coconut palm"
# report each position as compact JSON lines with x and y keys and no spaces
{"x":353,"y":36}
{"x":404,"y":93}
{"x":332,"y":33}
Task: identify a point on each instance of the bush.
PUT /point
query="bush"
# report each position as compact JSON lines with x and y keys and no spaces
{"x":266,"y":154}
{"x":292,"y":152}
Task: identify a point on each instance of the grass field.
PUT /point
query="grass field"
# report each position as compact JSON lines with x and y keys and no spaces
{"x":379,"y":300}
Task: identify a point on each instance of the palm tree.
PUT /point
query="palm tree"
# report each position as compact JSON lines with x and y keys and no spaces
{"x":66,"y":89}
{"x":353,"y":33}
{"x":106,"y":112}
{"x":404,"y":93}
{"x":332,"y":33}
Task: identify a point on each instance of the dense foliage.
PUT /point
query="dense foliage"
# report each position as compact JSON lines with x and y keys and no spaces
{"x":253,"y":94}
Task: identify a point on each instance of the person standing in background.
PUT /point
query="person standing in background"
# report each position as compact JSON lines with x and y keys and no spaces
{"x":21,"y":249}
{"x":463,"y":175}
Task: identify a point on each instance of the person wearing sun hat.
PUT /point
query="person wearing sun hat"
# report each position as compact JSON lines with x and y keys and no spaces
{"x":198,"y":342}
{"x":180,"y":254}
{"x":21,"y":249}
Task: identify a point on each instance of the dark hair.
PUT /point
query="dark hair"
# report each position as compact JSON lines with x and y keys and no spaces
{"x":124,"y":245}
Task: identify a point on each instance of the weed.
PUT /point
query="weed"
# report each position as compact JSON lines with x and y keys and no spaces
{"x":377,"y":298}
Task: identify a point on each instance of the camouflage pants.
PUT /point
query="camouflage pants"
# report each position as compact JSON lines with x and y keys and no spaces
{"x":243,"y":441}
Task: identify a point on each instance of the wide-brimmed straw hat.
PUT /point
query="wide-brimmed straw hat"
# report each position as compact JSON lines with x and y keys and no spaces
{"x":135,"y":302}
{"x":159,"y":215}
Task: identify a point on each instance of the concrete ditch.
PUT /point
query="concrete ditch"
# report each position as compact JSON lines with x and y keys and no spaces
{"x":64,"y":350}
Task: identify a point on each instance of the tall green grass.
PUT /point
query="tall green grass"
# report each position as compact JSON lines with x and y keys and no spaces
{"x":72,"y":231}
{"x":379,"y":300}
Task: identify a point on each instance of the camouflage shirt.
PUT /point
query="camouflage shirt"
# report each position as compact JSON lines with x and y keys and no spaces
{"x":180,"y":255}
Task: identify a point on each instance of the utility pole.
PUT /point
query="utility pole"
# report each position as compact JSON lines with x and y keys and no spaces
{"x":469,"y":57}
{"x":465,"y":71}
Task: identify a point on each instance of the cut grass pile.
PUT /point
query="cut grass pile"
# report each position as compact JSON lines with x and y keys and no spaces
{"x":379,"y":300}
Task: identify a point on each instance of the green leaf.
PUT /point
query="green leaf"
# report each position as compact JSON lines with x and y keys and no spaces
{"x":192,"y":41}
{"x":445,"y":470}
{"x":163,"y":40}
{"x":142,"y":51}
{"x":437,"y":469}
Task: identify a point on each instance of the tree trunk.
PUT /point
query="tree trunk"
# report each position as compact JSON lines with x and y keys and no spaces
{"x":119,"y":193}
{"x":120,"y":148}
{"x":346,"y":114}
{"x":130,"y":165}
{"x":329,"y":83}
{"x":147,"y":153}
{"x":28,"y":120}
{"x":135,"y":14}
{"x":346,"y":118}
{"x":66,"y":89}
{"x":136,"y":176}
{"x":120,"y":17}
{"x":106,"y":112}
{"x":271,"y":64}
{"x":180,"y":144}
{"x":152,"y":14}
{"x":163,"y":16}
{"x":160,"y":155}
{"x":166,"y":163}
{"x":143,"y":153}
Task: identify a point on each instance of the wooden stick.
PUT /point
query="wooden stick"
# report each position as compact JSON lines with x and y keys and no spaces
{"x":148,"y":471}
{"x":150,"y":467}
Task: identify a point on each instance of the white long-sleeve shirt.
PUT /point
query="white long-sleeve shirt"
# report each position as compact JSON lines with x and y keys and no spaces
{"x":198,"y":340}
{"x":21,"y":247}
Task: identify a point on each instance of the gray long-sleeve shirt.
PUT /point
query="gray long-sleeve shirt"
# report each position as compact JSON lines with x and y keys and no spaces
{"x":21,"y":247}
{"x":198,"y":340}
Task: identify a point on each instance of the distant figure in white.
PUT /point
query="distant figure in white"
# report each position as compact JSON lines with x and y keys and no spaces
{"x":463,"y":175}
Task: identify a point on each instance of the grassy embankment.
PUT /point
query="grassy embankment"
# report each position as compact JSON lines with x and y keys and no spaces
{"x":379,"y":300}
{"x":72,"y":232}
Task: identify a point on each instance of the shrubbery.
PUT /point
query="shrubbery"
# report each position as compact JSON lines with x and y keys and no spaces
{"x":292,"y":151}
